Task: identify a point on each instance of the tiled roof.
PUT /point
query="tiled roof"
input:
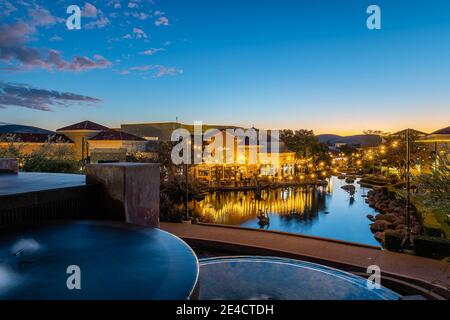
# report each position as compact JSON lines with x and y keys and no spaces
{"x":85,"y":125}
{"x":34,"y":138}
{"x":442,"y":131}
{"x":116,"y":135}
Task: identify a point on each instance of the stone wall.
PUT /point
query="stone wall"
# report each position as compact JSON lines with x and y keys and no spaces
{"x":130,"y":191}
{"x":8,"y":165}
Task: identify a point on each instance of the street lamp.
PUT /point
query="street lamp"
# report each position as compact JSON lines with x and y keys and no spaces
{"x":407,"y":241}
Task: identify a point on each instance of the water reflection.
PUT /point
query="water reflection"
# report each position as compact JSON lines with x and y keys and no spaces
{"x":321,"y":211}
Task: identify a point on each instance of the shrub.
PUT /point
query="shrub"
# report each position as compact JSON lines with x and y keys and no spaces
{"x":393,"y":240}
{"x":432,"y":230}
{"x":46,"y":165}
{"x":169,"y":210}
{"x":52,"y":158}
{"x":432,"y":247}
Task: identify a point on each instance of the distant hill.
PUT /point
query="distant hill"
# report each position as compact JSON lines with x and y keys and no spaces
{"x":17,"y":128}
{"x":364,"y":140}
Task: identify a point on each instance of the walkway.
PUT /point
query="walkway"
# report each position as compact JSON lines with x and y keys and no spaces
{"x":339,"y":254}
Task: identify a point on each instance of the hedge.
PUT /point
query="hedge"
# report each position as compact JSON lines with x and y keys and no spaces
{"x":428,"y":216}
{"x":432,"y":247}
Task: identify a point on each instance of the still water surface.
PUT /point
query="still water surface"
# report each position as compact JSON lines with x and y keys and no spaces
{"x":328,"y":212}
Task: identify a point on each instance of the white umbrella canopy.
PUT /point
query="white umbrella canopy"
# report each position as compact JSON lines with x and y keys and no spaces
{"x":442,"y":135}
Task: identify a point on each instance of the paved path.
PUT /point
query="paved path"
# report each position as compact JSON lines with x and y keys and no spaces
{"x":319,"y":250}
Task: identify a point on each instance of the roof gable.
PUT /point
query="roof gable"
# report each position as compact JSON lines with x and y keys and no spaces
{"x":442,"y":131}
{"x":84,"y":125}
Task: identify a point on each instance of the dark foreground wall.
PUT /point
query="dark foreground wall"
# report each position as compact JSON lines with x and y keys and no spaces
{"x":78,"y":202}
{"x":119,"y":191}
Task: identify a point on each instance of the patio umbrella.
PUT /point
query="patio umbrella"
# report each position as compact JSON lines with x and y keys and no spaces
{"x":442,"y":135}
{"x":439,"y":136}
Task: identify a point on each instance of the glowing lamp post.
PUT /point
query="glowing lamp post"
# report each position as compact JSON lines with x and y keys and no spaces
{"x":407,"y":241}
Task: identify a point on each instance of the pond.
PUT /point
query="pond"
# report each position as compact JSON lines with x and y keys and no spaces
{"x":328,"y":212}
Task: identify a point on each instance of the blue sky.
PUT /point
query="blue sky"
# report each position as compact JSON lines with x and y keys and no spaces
{"x":272,"y":64}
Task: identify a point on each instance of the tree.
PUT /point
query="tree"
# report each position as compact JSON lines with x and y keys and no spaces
{"x":348,"y":150}
{"x":395,"y":154}
{"x":305,"y":145}
{"x":11,"y":150}
{"x":436,"y":184}
{"x":376,"y":132}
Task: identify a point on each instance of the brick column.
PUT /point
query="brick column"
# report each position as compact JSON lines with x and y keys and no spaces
{"x":130,"y":191}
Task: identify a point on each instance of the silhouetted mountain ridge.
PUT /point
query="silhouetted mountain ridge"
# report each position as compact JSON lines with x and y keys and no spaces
{"x":363,"y":140}
{"x":17,"y":128}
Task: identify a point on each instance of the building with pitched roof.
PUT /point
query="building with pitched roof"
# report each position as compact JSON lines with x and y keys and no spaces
{"x":80,"y":133}
{"x":113,"y":145}
{"x":100,"y":143}
{"x":27,"y":139}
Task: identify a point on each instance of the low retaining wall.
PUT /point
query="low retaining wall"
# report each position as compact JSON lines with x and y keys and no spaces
{"x":8,"y":165}
{"x":64,"y":203}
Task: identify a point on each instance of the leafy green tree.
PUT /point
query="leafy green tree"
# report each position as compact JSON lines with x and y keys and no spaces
{"x":395,"y":154}
{"x":436,"y":184}
{"x":305,"y":145}
{"x":11,"y":150}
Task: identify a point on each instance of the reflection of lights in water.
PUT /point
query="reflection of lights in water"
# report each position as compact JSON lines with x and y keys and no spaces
{"x":237,"y":207}
{"x":330,"y":185}
{"x":325,"y":211}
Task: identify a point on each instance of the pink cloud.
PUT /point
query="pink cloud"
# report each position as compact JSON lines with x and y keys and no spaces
{"x":100,"y":23}
{"x":141,"y":15}
{"x":26,"y":96}
{"x":89,"y":10}
{"x":22,"y":58}
{"x":15,"y":33}
{"x":159,"y":70}
{"x":19,"y":57}
{"x":139,"y":33}
{"x":162,"y":21}
{"x":152,"y":51}
{"x":41,"y":17}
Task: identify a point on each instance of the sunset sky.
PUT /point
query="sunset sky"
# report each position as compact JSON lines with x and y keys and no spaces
{"x":271,"y":64}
